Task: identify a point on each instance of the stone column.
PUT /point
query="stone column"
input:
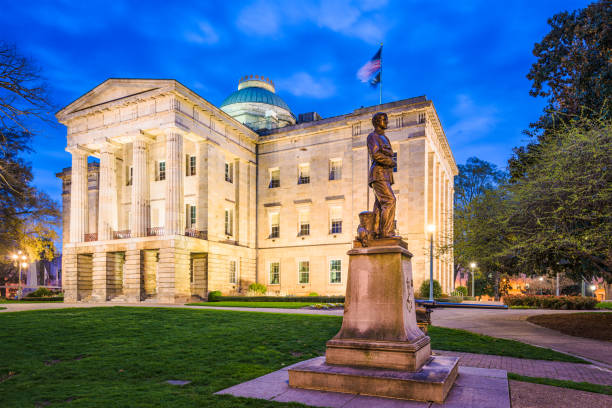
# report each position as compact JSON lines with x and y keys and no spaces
{"x":140,"y":219}
{"x":133,"y":276}
{"x":107,"y":206}
{"x":78,"y":195}
{"x":174,"y":183}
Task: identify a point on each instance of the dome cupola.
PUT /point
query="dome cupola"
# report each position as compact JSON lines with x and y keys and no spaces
{"x":256,"y":104}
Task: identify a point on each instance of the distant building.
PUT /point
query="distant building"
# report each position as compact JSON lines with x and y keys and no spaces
{"x":188,"y":198}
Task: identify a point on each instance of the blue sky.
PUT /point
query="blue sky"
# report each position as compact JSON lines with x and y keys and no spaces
{"x":469,"y":57}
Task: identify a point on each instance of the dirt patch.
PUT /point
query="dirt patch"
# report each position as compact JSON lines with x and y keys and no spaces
{"x":589,"y":325}
{"x":528,"y":395}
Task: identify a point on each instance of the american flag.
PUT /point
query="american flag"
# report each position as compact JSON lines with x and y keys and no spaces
{"x":370,"y":72}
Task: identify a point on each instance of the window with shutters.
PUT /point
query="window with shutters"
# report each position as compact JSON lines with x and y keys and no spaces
{"x":304,"y":173}
{"x":229,"y":172}
{"x":232,"y":272}
{"x":274,"y":225}
{"x":335,"y":271}
{"x":229,"y":221}
{"x":274,"y":273}
{"x":162,"y":170}
{"x":303,"y":271}
{"x":274,"y":178}
{"x":192,"y":166}
{"x":335,"y":220}
{"x":335,"y":169}
{"x":304,"y":222}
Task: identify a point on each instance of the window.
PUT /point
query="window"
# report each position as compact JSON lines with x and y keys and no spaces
{"x":274,"y":273}
{"x":395,"y":159}
{"x":162,"y":170}
{"x":191,"y":171}
{"x":274,"y":178}
{"x":191,"y":270}
{"x":335,"y":271}
{"x":304,"y":174}
{"x":304,"y":220}
{"x":129,"y":176}
{"x":335,"y":169}
{"x":304,"y":271}
{"x":232,"y":271}
{"x":274,"y":225}
{"x":335,"y":220}
{"x":422,"y":117}
{"x":229,"y":172}
{"x":192,"y":215}
{"x":229,"y":221}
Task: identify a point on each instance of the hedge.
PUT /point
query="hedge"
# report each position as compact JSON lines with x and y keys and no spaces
{"x":551,"y":302}
{"x":214,"y":297}
{"x":43,"y":299}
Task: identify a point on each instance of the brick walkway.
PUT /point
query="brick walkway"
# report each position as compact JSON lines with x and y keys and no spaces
{"x":535,"y":368}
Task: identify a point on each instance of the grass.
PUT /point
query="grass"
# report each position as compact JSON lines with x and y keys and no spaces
{"x":2,"y":308}
{"x":604,"y":305}
{"x":280,"y":305}
{"x":121,"y":356}
{"x":522,"y":307}
{"x":591,"y":325}
{"x":582,"y":386}
{"x":443,"y":338}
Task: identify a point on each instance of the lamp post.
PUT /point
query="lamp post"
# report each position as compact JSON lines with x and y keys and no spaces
{"x":431,"y":228}
{"x":472,"y":266}
{"x":593,"y":287}
{"x":20,"y":259}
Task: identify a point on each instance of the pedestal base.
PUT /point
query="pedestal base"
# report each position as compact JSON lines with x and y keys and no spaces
{"x":395,"y":355}
{"x":432,"y":383}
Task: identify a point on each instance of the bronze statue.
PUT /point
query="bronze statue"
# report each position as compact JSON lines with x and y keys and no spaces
{"x":380,"y":177}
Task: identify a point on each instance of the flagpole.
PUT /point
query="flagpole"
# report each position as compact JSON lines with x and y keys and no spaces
{"x":381,"y":60}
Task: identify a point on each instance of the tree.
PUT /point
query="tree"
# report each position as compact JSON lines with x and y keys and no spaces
{"x":474,"y":178}
{"x":573,"y":72}
{"x":481,"y":201}
{"x":424,"y":289}
{"x":561,"y":218}
{"x":27,"y":216}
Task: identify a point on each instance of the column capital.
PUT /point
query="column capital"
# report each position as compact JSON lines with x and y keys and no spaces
{"x":79,"y":149}
{"x":174,"y":130}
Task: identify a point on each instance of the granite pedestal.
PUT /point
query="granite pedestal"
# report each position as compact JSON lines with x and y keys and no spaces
{"x":379,"y":350}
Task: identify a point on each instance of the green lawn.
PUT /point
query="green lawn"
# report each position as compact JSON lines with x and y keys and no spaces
{"x":280,"y":305}
{"x":121,"y":356}
{"x":582,"y":386}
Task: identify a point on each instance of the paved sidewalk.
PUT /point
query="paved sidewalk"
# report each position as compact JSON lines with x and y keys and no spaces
{"x":528,"y":395}
{"x":512,"y":324}
{"x":535,"y":368}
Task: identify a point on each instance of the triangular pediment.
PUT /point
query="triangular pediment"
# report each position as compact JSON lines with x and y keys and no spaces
{"x":113,"y":90}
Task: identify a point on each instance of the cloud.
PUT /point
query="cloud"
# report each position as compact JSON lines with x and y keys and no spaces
{"x":473,"y":121}
{"x":303,"y":84}
{"x":205,"y":34}
{"x":268,"y":18}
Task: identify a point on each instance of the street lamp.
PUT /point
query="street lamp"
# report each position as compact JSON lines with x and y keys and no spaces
{"x":472,"y":266}
{"x":20,"y":259}
{"x":431,"y":228}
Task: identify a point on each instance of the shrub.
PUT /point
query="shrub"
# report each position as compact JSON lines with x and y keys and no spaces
{"x":604,"y":305}
{"x":41,"y":292}
{"x":313,"y":294}
{"x":258,"y":288}
{"x":462,"y":289}
{"x":551,"y":302}
{"x":214,"y":296}
{"x":424,"y":289}
{"x":312,"y":299}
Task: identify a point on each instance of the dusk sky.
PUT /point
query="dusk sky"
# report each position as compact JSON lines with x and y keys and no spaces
{"x":469,"y":57}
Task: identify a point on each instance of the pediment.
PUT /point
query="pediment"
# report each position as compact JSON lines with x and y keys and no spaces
{"x":113,"y":90}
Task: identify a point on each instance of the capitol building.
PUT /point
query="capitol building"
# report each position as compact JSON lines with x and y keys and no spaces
{"x":186,"y":197}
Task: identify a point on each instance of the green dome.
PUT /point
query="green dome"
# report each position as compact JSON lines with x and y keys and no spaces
{"x":255,"y":94}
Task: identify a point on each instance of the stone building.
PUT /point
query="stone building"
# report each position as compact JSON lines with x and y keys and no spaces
{"x":184,"y":198}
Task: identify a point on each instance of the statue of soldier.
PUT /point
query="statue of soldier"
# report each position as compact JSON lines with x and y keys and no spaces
{"x":380,"y":177}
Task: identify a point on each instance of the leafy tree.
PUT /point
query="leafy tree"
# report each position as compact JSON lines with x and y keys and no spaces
{"x":561,"y":218}
{"x":424,"y":289}
{"x":573,"y":72}
{"x":475,"y":177}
